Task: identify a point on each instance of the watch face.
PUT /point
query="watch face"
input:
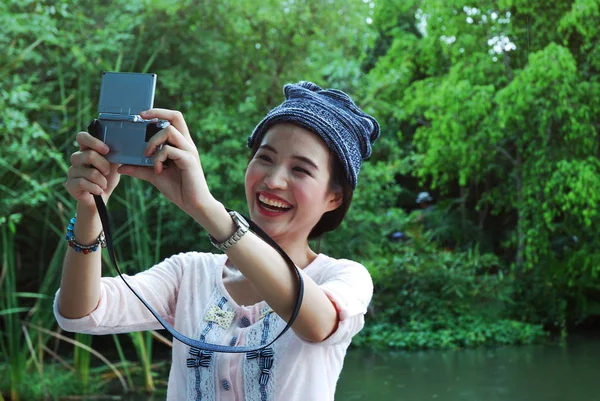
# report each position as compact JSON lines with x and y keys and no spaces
{"x":240,"y":221}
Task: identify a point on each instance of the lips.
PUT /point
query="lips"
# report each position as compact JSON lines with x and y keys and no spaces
{"x":272,"y":205}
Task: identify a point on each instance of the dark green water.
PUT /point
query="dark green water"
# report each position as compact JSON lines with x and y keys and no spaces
{"x":529,"y":373}
{"x":532,"y":373}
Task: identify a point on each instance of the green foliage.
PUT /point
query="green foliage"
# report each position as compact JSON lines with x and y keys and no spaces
{"x":418,"y":280}
{"x":498,"y":107}
{"x":56,"y":382}
{"x":573,"y":193}
{"x":462,"y":332}
{"x":425,"y":298}
{"x":454,"y":112}
{"x":364,"y":231}
{"x":11,"y":341}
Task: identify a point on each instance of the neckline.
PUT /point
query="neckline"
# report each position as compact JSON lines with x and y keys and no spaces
{"x":261,"y":304}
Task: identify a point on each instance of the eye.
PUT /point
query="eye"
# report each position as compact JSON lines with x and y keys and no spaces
{"x":301,"y":170}
{"x":264,"y":157}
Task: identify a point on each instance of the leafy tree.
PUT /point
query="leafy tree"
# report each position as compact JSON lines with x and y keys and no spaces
{"x":498,"y":106}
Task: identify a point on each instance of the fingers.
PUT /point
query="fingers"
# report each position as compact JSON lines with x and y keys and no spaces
{"x":88,"y":174}
{"x":143,"y":173}
{"x":181,"y":158}
{"x":184,"y":160}
{"x":81,"y":186}
{"x":91,"y":158}
{"x":172,"y":136}
{"x":86,"y":141}
{"x":173,"y":116}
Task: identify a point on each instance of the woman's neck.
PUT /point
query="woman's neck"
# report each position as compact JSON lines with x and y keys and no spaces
{"x":301,"y":254}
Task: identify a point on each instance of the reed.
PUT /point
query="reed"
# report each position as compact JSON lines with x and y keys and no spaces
{"x":137,"y":236}
{"x":124,"y":362}
{"x":22,"y":350}
{"x":27,"y":317}
{"x":82,"y":359}
{"x":11,"y":342}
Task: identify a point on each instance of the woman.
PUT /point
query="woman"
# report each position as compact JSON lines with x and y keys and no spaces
{"x":306,"y":154}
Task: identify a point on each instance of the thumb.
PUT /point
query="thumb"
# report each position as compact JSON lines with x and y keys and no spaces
{"x":143,"y":173}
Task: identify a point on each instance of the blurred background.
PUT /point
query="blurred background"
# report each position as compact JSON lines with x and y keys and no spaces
{"x":476,"y":214}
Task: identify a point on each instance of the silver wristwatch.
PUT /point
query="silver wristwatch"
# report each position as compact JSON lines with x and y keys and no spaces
{"x":243,"y":228}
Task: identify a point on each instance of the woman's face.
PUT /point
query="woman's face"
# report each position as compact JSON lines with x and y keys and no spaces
{"x":287,"y":183}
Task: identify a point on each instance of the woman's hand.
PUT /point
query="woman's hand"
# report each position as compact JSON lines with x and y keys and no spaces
{"x":90,"y":173}
{"x":181,"y":179}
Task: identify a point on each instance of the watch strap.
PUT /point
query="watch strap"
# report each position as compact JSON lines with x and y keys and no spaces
{"x":242,"y":229}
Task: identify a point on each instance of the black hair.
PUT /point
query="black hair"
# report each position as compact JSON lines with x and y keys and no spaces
{"x":337,"y":182}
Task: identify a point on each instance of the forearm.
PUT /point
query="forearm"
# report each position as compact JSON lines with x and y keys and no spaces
{"x":80,"y":284}
{"x":274,"y":280}
{"x":266,"y":269}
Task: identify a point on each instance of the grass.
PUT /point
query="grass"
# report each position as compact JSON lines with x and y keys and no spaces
{"x":27,"y":317}
{"x":26,"y":355}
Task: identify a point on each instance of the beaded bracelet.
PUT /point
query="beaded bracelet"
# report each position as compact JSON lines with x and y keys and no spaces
{"x":77,"y":247}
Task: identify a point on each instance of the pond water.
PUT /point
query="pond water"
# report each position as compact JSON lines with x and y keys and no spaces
{"x":530,"y":373}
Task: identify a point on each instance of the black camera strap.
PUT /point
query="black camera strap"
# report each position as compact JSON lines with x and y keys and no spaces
{"x":177,"y":335}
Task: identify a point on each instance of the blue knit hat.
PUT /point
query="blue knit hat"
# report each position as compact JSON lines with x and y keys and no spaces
{"x":331,"y":114}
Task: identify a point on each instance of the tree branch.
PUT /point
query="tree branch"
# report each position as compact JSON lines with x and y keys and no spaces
{"x":422,"y":121}
{"x":507,"y":155}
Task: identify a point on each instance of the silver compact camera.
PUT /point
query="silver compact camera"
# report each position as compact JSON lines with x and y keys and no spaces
{"x":123,"y":96}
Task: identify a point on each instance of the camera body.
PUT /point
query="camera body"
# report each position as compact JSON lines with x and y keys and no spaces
{"x":123,"y":96}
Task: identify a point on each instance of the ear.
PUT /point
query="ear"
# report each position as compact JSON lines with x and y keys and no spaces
{"x":334,"y":200}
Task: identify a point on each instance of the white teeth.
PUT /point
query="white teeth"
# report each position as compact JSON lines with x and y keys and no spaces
{"x":272,"y":202}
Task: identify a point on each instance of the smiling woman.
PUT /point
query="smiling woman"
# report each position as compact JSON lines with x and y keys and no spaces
{"x":306,"y":155}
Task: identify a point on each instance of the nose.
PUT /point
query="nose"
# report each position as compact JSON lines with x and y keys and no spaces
{"x":276,"y":179}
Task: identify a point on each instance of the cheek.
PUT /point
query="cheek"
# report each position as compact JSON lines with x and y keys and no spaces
{"x":253,"y":175}
{"x":308,"y":193}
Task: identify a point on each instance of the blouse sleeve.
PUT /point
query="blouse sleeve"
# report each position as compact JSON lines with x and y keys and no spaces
{"x":350,"y":289}
{"x":120,"y":311}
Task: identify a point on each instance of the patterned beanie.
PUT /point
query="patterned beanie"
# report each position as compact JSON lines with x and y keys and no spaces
{"x":332,"y":115}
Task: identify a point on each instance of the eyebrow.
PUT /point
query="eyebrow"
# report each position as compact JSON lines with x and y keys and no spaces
{"x":297,"y":157}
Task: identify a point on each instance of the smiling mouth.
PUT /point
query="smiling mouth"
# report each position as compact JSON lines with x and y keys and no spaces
{"x":272,"y":205}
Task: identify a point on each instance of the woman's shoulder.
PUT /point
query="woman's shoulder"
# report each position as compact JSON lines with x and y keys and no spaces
{"x":323,"y":259}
